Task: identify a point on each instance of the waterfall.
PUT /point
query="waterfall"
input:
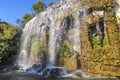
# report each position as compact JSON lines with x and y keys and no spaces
{"x":31,"y":42}
{"x":58,"y":27}
{"x":52,"y":42}
{"x":76,"y":35}
{"x":23,"y":57}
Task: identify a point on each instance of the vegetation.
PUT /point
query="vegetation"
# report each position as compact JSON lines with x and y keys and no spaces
{"x":9,"y":41}
{"x":52,"y":3}
{"x":10,"y":35}
{"x":65,"y":51}
{"x":27,"y":17}
{"x":36,"y":46}
{"x":99,"y":60}
{"x":37,"y":8}
{"x":102,"y":60}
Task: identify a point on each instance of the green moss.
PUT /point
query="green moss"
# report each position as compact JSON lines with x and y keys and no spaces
{"x":65,"y":50}
{"x":105,"y":41}
{"x":95,"y":42}
{"x":102,"y":60}
{"x":36,"y":46}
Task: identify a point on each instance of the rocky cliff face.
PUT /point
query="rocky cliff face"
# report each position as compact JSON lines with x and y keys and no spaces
{"x":117,"y":11}
{"x":102,"y":59}
{"x":75,"y":35}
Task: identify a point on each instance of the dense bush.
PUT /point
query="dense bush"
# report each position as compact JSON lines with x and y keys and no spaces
{"x":9,"y":38}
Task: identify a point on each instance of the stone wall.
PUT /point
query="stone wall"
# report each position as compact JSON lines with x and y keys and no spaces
{"x":104,"y":60}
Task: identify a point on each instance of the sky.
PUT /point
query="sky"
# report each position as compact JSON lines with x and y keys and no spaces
{"x":10,"y":10}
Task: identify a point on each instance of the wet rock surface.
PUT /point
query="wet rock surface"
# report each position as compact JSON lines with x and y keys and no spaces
{"x":73,"y":35}
{"x":35,"y":67}
{"x":53,"y":72}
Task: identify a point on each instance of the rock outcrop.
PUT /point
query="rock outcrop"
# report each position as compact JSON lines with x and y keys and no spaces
{"x":102,"y":60}
{"x":75,"y":35}
{"x":117,"y":11}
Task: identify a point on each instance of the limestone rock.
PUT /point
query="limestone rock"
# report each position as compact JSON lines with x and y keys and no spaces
{"x":64,"y":33}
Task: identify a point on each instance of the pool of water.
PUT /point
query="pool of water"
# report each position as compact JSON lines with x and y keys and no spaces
{"x":26,"y":76}
{"x":29,"y":76}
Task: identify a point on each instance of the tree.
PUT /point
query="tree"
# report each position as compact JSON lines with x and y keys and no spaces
{"x":20,"y":23}
{"x":9,"y":38}
{"x":27,"y":17}
{"x":52,"y":3}
{"x":38,"y":7}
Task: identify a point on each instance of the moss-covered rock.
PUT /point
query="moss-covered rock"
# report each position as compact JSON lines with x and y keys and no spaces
{"x":75,"y":44}
{"x":104,"y":60}
{"x":69,"y":62}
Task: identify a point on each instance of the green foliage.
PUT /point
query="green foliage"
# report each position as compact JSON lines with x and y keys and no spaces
{"x":20,"y":23}
{"x":35,"y":46}
{"x":4,"y":47}
{"x":105,"y":41}
{"x":9,"y":37}
{"x":27,"y":17}
{"x":95,"y":43}
{"x":8,"y":31}
{"x":38,"y":7}
{"x":65,"y":51}
{"x":52,"y":3}
{"x":7,"y":48}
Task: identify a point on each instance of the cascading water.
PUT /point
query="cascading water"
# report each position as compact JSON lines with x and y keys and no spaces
{"x":56,"y":38}
{"x":23,"y":59}
{"x":34,"y":39}
{"x":34,"y":36}
{"x":47,"y":31}
{"x":52,"y":42}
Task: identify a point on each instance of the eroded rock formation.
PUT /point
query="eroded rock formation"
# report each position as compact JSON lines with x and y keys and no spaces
{"x":76,"y":35}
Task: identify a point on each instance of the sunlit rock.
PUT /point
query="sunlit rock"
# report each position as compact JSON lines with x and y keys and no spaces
{"x":72,"y":35}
